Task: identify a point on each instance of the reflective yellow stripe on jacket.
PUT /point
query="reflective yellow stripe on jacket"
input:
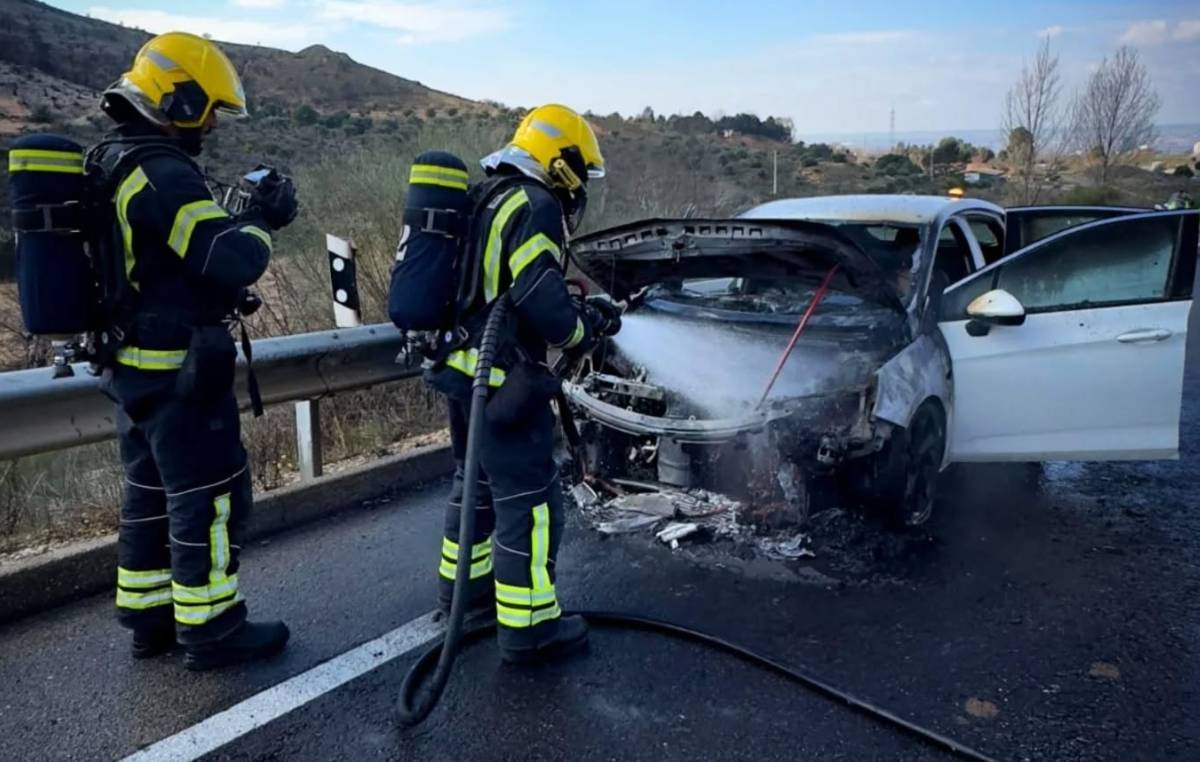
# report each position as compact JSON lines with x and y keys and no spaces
{"x":186,"y":220}
{"x":260,"y":234}
{"x":495,"y":242}
{"x":129,"y":187}
{"x":467,"y":360}
{"x":529,"y":251}
{"x":151,"y":359}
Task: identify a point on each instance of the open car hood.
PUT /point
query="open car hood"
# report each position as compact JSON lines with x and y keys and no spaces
{"x":624,"y":259}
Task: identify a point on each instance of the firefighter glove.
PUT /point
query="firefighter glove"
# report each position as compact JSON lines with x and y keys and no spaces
{"x":249,"y":302}
{"x":603,"y":315}
{"x":274,"y":198}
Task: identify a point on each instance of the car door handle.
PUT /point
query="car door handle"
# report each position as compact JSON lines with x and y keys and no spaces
{"x":1144,"y":336}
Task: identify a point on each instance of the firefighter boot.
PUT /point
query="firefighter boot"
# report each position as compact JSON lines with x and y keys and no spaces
{"x":480,"y":612}
{"x":570,"y":636}
{"x":251,"y":640}
{"x":151,"y":642}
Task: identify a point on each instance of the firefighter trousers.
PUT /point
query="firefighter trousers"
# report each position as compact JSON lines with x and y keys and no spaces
{"x":187,"y":500}
{"x":518,"y":525}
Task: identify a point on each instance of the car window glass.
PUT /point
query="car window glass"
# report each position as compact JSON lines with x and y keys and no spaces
{"x":756,"y":295}
{"x":954,"y":303}
{"x":1121,"y":262}
{"x":953,"y":258}
{"x":989,"y":234}
{"x":1036,"y":227}
{"x":892,"y":246}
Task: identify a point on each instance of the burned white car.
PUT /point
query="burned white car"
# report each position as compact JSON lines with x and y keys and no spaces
{"x":856,"y":345}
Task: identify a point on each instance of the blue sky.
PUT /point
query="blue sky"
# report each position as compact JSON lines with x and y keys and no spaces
{"x":832,"y":67}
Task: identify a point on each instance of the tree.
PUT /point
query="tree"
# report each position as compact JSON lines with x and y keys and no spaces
{"x":1114,"y":114}
{"x":951,"y":150}
{"x":306,"y":115}
{"x":647,"y":114}
{"x":1033,"y":120}
{"x":894,"y":164}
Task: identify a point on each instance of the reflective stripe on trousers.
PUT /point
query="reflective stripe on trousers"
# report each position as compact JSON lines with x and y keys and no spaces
{"x":141,"y":590}
{"x":199,"y":605}
{"x":520,"y":607}
{"x":481,"y":559}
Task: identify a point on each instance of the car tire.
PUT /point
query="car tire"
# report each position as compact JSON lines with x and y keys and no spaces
{"x":915,"y":491}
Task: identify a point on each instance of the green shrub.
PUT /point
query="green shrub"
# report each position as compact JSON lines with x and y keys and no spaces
{"x":1097,"y":195}
{"x":893,"y":164}
{"x":306,"y":115}
{"x":336,"y":120}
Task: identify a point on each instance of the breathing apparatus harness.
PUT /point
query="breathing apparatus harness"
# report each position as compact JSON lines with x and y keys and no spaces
{"x":72,"y":282}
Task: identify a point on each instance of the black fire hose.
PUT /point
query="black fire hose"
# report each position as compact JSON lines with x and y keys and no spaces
{"x":439,"y":659}
{"x":411,"y":710}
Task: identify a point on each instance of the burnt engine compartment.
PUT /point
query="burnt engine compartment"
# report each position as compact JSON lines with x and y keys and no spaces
{"x":773,"y":462}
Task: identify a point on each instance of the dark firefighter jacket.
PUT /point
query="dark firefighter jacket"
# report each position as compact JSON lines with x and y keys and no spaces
{"x":520,"y":243}
{"x":185,"y":259}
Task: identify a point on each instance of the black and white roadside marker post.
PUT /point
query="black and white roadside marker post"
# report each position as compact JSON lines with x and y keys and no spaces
{"x":343,"y":277}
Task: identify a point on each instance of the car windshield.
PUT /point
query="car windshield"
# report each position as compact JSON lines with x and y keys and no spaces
{"x":891,"y":245}
{"x":755,"y":295}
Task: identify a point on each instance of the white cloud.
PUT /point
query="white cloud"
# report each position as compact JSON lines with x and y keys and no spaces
{"x":1051,"y":31}
{"x":1187,"y":31}
{"x":259,"y":3}
{"x":1160,"y":32}
{"x":291,"y":36}
{"x":418,"y":23}
{"x":1146,"y":33}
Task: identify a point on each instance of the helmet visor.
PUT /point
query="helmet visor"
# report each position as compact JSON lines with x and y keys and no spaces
{"x":230,"y":110}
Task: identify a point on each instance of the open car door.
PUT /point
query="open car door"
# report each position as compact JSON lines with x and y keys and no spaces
{"x":1073,"y":348}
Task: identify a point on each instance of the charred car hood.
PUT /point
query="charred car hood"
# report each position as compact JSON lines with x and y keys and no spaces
{"x":624,"y":259}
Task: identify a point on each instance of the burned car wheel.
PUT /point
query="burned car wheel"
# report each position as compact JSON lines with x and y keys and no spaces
{"x":925,"y":443}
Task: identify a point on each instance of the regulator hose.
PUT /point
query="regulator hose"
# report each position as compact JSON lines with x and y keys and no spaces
{"x":438,"y":660}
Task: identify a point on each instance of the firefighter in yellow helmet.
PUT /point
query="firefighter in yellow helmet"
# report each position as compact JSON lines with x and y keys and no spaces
{"x":534,"y":198}
{"x":187,"y":265}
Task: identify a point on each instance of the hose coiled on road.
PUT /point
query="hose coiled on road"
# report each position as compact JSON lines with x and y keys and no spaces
{"x":439,"y":659}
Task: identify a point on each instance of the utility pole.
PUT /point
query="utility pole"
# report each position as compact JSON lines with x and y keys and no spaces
{"x":775,"y":172}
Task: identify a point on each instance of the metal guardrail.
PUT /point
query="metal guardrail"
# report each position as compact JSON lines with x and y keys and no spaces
{"x":39,"y":413}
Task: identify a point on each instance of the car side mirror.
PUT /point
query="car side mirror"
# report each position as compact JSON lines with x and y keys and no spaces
{"x":996,"y":307}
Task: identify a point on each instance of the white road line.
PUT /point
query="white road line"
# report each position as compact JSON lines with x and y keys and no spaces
{"x":291,"y":694}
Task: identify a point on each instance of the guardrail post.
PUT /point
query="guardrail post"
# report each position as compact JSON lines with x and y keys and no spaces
{"x":308,"y":438}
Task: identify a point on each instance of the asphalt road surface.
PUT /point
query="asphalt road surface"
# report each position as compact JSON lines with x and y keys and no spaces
{"x":1050,"y":613}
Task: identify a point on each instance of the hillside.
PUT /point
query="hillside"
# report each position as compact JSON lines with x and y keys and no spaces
{"x":90,"y":53}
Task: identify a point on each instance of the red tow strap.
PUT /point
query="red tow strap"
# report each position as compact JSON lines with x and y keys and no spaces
{"x":808,"y":313}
